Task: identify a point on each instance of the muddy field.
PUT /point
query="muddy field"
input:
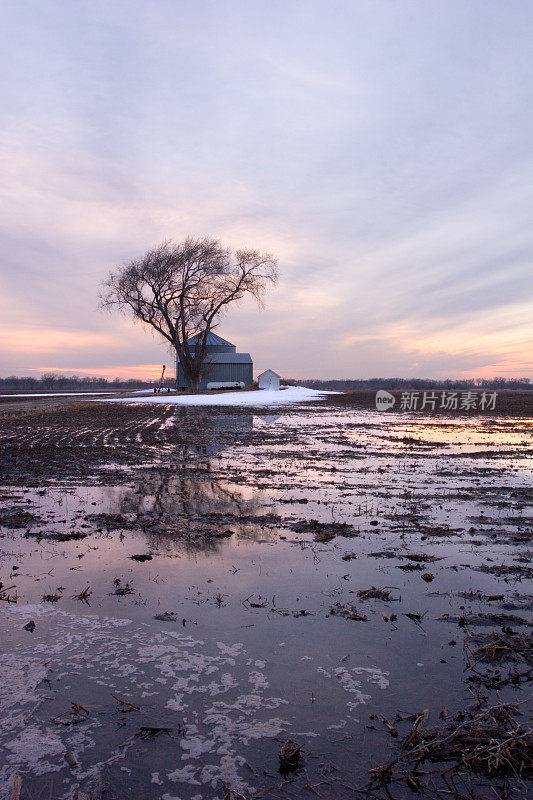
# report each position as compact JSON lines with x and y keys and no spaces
{"x":318,"y":601}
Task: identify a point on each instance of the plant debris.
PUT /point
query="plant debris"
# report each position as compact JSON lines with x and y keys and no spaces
{"x":122,"y":589}
{"x":4,"y":593}
{"x":290,"y":756}
{"x":51,"y":598}
{"x":150,"y":731}
{"x":490,"y":743}
{"x":424,"y":558}
{"x":324,"y":531}
{"x":166,"y":616}
{"x":347,"y":612}
{"x":75,"y":714}
{"x":84,"y":595}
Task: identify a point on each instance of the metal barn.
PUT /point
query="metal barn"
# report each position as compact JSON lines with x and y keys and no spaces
{"x":268,"y":380}
{"x":223,"y":364}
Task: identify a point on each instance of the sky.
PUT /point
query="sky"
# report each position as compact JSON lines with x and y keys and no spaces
{"x":382,"y":149}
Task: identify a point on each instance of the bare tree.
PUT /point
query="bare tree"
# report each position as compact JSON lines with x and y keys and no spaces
{"x":182,"y":289}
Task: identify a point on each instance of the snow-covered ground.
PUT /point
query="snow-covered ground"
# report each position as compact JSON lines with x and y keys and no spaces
{"x":264,"y":397}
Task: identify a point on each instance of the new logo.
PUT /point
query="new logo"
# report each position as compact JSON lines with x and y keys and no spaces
{"x":384,"y":400}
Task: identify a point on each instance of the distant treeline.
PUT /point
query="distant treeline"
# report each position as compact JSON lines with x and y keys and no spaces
{"x":400,"y":384}
{"x":60,"y":383}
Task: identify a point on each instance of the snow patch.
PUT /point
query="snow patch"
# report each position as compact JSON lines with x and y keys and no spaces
{"x":263,"y":397}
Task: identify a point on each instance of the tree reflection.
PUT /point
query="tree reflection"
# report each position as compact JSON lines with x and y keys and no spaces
{"x":184,"y":503}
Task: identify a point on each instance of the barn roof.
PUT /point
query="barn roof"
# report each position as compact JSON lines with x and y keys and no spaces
{"x":212,"y":339}
{"x":228,"y":358}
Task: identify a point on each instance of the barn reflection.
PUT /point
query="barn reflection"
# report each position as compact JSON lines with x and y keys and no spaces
{"x":183,"y":503}
{"x":220,"y":431}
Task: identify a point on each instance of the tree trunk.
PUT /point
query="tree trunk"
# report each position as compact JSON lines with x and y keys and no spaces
{"x":191,"y":374}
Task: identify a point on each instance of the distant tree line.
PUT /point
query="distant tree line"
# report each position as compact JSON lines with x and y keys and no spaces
{"x":400,"y":384}
{"x":51,"y":381}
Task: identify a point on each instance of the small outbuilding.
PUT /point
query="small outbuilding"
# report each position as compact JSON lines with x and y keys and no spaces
{"x":268,"y":380}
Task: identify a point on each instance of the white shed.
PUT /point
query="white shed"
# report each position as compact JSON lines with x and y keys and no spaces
{"x":268,"y":380}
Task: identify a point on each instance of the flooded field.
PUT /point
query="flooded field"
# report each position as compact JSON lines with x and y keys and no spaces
{"x":184,"y":591}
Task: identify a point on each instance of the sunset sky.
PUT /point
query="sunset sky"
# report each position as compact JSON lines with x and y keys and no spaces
{"x":383,"y":150}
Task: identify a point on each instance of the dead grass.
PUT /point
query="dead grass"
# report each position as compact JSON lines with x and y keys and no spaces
{"x":467,"y":747}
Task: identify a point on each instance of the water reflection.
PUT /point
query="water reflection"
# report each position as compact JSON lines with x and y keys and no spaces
{"x":213,"y":433}
{"x":254,"y":651}
{"x":175,"y":495}
{"x":197,"y":513}
{"x":269,"y":419}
